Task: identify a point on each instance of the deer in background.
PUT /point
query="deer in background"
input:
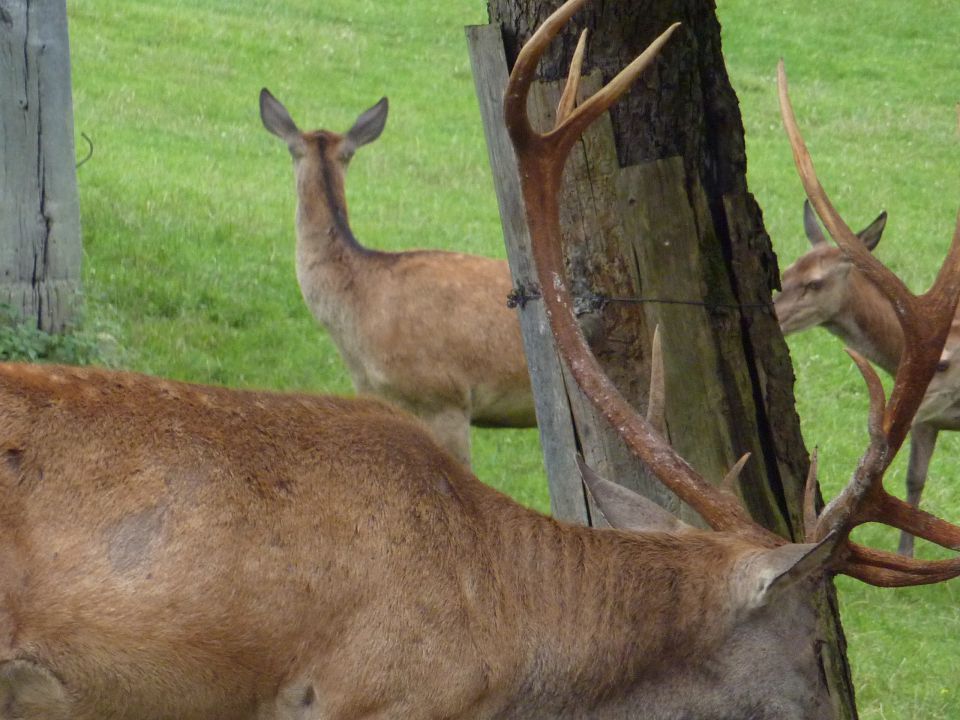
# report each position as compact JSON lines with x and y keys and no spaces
{"x":427,"y":330}
{"x":181,"y":551}
{"x":824,"y":288}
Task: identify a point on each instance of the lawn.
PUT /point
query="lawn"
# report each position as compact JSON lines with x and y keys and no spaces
{"x":187,"y":209}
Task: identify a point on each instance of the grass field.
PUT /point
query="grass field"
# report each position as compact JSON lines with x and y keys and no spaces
{"x":187,"y":210}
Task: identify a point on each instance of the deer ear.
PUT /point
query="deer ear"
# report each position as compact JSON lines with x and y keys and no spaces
{"x":624,"y":509}
{"x":369,"y":125}
{"x":277,"y":120}
{"x":762,"y":576}
{"x":870,"y":235}
{"x":811,"y":226}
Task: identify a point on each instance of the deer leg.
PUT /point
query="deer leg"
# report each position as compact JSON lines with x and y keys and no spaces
{"x":923,"y":438}
{"x":451,"y":428}
{"x":30,"y":692}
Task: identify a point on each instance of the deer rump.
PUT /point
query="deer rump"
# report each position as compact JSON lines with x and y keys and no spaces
{"x":181,"y":551}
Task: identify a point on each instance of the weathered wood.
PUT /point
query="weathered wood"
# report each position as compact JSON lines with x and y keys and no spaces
{"x":598,"y":256}
{"x":702,"y":342}
{"x":553,"y":409}
{"x":592,"y":231}
{"x":40,"y":249}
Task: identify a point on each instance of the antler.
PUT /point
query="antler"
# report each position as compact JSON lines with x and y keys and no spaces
{"x":925,"y":320}
{"x":541,"y":158}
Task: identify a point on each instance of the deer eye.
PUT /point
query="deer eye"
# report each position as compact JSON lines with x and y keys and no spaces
{"x":943,"y":366}
{"x":815,"y":285}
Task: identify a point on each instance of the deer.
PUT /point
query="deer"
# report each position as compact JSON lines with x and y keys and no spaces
{"x":175,"y":550}
{"x":823,"y":288}
{"x":428,"y":330}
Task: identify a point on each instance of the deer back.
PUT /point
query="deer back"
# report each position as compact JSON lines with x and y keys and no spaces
{"x":182,"y":551}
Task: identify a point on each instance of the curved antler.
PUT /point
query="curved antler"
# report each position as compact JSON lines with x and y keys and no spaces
{"x":541,"y":159}
{"x":925,"y":320}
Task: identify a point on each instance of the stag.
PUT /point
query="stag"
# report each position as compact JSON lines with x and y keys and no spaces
{"x":824,"y":288}
{"x":182,"y":551}
{"x":427,"y":330}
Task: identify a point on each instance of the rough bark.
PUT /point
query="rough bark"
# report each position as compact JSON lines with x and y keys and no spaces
{"x":667,"y":215}
{"x":40,"y":248}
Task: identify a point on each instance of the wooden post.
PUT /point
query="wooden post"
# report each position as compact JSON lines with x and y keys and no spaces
{"x":630,"y":223}
{"x":552,"y":407}
{"x":567,"y":422}
{"x":40,"y":247}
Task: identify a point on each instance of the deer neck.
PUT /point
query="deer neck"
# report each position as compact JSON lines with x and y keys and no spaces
{"x":869,"y":325}
{"x":596,"y":612}
{"x":329,"y":258}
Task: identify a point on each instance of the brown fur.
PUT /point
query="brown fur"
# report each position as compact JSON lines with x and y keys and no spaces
{"x":169,"y":550}
{"x":427,"y":330}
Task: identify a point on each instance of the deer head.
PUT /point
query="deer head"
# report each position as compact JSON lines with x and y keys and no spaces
{"x":822,"y":284}
{"x":321,"y":157}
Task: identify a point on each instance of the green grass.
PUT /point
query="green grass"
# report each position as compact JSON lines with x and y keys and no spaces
{"x":187,"y":209}
{"x":188,"y":202}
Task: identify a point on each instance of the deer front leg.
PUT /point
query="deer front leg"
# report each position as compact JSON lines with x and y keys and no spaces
{"x":923,"y":438}
{"x":451,"y":428}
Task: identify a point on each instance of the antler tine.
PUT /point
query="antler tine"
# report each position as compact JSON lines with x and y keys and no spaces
{"x":838,"y":229}
{"x":729,"y":482}
{"x":887,"y":569}
{"x":580,"y":119}
{"x":847,"y":509}
{"x":903,"y":516}
{"x":865,"y":500}
{"x":525,"y":68}
{"x":924,"y":337}
{"x":569,"y":97}
{"x":541,"y":159}
{"x":925,"y":321}
{"x":656,"y":398}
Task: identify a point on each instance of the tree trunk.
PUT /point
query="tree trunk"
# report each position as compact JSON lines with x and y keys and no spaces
{"x":661,"y":229}
{"x":40,"y":248}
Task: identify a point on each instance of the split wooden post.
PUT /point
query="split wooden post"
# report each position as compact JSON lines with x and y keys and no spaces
{"x":40,"y":246}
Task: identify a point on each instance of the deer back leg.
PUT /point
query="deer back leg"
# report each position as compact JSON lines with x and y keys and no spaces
{"x":923,"y":438}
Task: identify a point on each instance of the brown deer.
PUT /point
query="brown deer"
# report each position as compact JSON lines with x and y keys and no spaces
{"x":824,"y":288}
{"x":427,"y":330}
{"x":181,"y":551}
